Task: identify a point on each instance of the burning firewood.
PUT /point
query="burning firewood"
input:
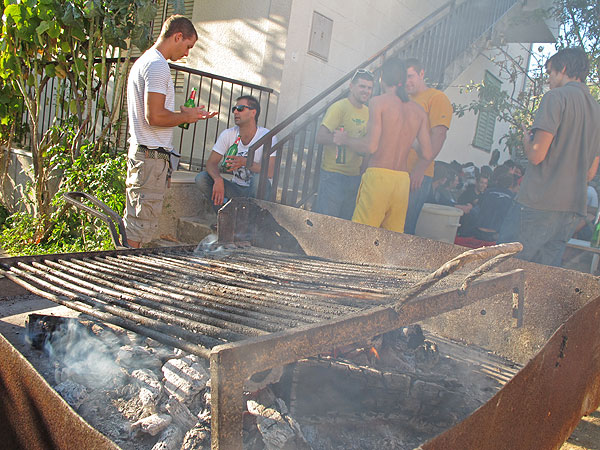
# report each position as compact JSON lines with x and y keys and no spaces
{"x":170,"y":439}
{"x":278,"y":429}
{"x":185,"y":377}
{"x":153,"y":424}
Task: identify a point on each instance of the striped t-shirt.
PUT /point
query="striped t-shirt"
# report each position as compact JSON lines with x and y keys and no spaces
{"x":150,"y":73}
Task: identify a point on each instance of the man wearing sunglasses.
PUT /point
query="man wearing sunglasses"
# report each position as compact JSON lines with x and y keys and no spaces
{"x":152,"y":116}
{"x":439,"y":111}
{"x":339,"y":177}
{"x":244,"y":180}
{"x":562,"y":148}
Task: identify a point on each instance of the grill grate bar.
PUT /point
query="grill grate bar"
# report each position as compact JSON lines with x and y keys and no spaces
{"x":193,"y":312}
{"x":123,"y":302}
{"x":287,"y":294}
{"x":176,"y":293}
{"x":171,"y":335}
{"x":309,"y":285}
{"x":277,"y":306}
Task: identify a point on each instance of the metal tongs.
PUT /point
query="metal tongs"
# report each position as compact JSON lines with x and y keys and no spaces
{"x":107,"y":215}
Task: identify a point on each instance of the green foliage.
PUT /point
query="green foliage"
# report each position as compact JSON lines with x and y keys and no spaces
{"x":513,"y":106}
{"x":580,"y":27}
{"x":98,"y":173}
{"x":68,"y":42}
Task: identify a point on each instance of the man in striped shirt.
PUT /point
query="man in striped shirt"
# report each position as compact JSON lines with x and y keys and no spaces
{"x":152,"y":116}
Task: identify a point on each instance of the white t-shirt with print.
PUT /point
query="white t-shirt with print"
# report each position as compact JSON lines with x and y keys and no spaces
{"x":241,"y":176}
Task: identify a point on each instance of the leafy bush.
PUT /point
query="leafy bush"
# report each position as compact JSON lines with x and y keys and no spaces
{"x":101,"y":174}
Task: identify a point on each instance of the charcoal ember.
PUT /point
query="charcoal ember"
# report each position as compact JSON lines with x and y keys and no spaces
{"x":427,"y":355}
{"x":262,"y":379}
{"x":170,"y":439}
{"x":152,"y":424}
{"x":185,"y":377}
{"x":135,"y":357}
{"x":278,"y":429}
{"x":73,"y":393}
{"x":196,"y":438}
{"x":180,"y":413}
{"x":150,"y":386}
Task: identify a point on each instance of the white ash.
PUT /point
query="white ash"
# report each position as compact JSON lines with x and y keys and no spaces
{"x":153,"y":424}
{"x":278,"y":429}
{"x":170,"y":439}
{"x":185,"y":377}
{"x":73,"y":393}
{"x":150,"y":386}
{"x":135,"y":357}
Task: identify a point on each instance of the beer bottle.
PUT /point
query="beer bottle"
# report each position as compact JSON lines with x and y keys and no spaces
{"x":231,"y":151}
{"x":340,"y":155}
{"x":595,"y":241}
{"x":189,"y":103}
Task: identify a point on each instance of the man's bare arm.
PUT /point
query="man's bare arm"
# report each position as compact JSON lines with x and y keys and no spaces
{"x":324,"y":136}
{"x":536,"y":149}
{"x":438,"y":137}
{"x":374,"y":127}
{"x":425,"y":149}
{"x":157,"y":115}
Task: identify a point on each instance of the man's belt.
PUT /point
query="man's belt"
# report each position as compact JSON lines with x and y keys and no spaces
{"x":154,"y":153}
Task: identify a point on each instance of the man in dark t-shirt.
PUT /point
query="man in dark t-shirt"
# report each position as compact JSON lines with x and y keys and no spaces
{"x":562,"y":148}
{"x":473,"y":192}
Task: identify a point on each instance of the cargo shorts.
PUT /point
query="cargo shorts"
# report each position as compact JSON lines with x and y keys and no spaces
{"x":146,"y":184}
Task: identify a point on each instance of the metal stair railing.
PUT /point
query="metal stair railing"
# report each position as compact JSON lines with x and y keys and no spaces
{"x":437,"y":40}
{"x":218,"y":93}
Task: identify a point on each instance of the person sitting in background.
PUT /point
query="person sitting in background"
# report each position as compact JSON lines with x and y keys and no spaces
{"x":486,"y":171}
{"x":443,"y":194}
{"x":585,"y":229}
{"x":494,"y":205}
{"x":473,"y":192}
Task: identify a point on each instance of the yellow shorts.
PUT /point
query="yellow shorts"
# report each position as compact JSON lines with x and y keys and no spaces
{"x":383,"y":199}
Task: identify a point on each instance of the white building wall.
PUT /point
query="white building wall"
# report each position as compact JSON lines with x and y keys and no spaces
{"x":458,"y":145}
{"x":266,"y":41}
{"x":360,"y":29}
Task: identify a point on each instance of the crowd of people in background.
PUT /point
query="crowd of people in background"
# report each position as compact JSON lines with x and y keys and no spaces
{"x":378,"y":154}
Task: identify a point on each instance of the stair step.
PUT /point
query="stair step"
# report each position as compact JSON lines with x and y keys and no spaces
{"x":191,"y":230}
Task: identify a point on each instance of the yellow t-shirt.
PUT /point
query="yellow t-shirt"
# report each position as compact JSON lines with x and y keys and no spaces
{"x":439,"y":110}
{"x":354,"y":121}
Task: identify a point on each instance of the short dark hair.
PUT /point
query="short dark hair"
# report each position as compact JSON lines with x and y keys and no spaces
{"x":503,"y":178}
{"x":415,"y":64}
{"x":574,"y":60}
{"x":362,"y":74}
{"x":252,"y":102}
{"x":393,"y":73}
{"x":178,"y":24}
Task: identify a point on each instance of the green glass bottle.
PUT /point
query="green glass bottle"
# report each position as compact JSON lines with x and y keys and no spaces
{"x":340,"y":155}
{"x":595,"y":241}
{"x":231,"y":151}
{"x":189,"y":103}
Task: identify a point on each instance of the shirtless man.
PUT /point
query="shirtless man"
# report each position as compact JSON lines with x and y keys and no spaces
{"x":394,"y":123}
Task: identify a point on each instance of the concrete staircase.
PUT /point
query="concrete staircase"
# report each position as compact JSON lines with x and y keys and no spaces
{"x":186,"y":218}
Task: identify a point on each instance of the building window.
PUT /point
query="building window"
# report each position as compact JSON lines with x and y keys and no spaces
{"x":320,"y":36}
{"x":486,"y":120}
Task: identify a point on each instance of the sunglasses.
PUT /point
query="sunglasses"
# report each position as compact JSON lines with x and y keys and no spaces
{"x":363,"y":73}
{"x":240,"y":108}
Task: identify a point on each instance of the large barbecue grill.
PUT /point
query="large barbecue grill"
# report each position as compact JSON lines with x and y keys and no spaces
{"x":258,"y":299}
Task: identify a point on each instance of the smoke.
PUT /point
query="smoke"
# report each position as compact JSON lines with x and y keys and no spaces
{"x":82,"y":357}
{"x":208,"y":245}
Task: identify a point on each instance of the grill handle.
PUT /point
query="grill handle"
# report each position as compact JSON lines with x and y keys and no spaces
{"x":494,"y":256}
{"x":104,"y":213}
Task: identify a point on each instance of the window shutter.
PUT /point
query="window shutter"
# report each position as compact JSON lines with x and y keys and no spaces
{"x":486,"y":120}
